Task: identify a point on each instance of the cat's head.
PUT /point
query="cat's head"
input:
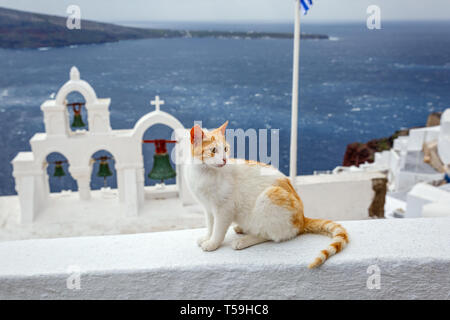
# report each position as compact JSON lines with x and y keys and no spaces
{"x":210,"y":147}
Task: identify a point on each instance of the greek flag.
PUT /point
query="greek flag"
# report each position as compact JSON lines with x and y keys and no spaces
{"x":305,"y":4}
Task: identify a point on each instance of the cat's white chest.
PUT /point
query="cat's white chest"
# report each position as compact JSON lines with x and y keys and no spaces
{"x":209,"y":187}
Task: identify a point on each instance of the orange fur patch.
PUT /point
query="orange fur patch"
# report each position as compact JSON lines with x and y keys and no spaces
{"x":285,"y":183}
{"x":317,"y":262}
{"x":284,"y":195}
{"x":334,"y":227}
{"x":280,"y":197}
{"x":330,"y":228}
{"x":325,"y":223}
{"x":342,"y":235}
{"x":337,"y":246}
{"x":297,"y":221}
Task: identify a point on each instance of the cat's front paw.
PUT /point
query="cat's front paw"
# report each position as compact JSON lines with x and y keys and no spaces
{"x":238,"y":244}
{"x":209,"y":245}
{"x":202,"y":239}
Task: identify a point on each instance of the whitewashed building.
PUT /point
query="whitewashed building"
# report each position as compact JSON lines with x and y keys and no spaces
{"x":412,"y":182}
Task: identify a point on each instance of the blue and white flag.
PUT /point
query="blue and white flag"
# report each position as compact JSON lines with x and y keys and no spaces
{"x":305,"y":4}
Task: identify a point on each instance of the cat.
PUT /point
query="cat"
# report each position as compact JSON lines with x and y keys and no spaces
{"x":258,"y":198}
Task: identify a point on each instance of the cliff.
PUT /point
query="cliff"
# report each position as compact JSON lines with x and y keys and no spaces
{"x":19,"y":29}
{"x":358,"y":153}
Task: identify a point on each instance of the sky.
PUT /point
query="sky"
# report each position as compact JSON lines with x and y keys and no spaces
{"x":237,"y":10}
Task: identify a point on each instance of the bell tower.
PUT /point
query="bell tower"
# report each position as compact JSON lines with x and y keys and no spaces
{"x":56,"y":112}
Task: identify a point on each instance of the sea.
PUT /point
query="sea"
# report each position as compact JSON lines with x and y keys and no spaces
{"x":359,"y":85}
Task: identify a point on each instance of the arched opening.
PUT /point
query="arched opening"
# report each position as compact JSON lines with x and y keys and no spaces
{"x":59,"y":177}
{"x":76,"y":108}
{"x":160,"y":169}
{"x":103,"y":170}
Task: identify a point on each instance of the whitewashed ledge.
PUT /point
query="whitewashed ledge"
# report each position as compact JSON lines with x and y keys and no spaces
{"x":413,"y":256}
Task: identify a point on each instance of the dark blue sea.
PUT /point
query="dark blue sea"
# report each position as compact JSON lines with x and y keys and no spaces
{"x":360,"y":85}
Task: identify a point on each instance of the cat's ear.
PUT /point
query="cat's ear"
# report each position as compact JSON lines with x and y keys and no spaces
{"x":197,"y":134}
{"x":223,"y":127}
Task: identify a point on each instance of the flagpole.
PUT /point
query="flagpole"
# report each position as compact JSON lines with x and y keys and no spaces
{"x":294,"y":112}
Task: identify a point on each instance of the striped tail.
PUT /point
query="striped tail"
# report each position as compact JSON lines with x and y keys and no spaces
{"x":331,"y":229}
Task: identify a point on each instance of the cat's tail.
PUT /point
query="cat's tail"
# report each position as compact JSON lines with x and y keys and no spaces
{"x":331,"y":229}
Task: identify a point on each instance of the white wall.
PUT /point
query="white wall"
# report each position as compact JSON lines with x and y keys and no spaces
{"x":170,"y":265}
{"x":444,"y":138}
{"x":417,"y":137}
{"x":423,"y":194}
{"x":344,"y":196}
{"x":436,"y":209}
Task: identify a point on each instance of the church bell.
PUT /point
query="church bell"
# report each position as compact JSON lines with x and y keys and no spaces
{"x":162,"y":169}
{"x":77,"y":121}
{"x":59,"y":171}
{"x":103,"y":169}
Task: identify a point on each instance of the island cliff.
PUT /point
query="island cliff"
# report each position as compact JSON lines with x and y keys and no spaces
{"x":358,"y":153}
{"x":19,"y":29}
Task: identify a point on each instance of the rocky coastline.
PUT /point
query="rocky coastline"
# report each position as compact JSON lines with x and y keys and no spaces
{"x":358,"y":153}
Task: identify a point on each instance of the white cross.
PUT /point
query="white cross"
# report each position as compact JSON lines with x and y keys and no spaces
{"x":157,"y":103}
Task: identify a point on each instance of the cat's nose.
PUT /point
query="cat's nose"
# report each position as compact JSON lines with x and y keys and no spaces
{"x":224,"y":161}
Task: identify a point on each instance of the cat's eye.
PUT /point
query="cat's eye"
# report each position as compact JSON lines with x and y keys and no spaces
{"x":214,"y":150}
{"x":226,"y":149}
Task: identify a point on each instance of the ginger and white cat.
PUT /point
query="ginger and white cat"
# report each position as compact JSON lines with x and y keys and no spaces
{"x":258,"y":198}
